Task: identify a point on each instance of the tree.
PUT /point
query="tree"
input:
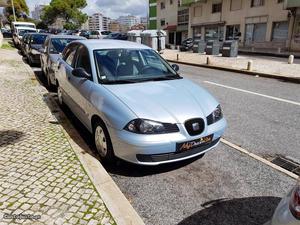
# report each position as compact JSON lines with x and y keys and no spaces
{"x":69,"y":10}
{"x":21,"y":10}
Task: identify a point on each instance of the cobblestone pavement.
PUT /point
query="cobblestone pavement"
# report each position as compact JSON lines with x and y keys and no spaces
{"x":40,"y":174}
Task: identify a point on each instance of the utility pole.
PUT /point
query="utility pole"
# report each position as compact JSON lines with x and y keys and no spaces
{"x":13,"y":8}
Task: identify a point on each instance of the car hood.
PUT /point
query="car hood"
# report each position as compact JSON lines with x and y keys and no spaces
{"x":173,"y":101}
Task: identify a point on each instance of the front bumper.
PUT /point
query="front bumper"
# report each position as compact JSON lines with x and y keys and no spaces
{"x":161,"y":148}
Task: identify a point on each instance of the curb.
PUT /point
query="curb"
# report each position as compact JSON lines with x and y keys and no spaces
{"x":117,"y":204}
{"x":295,"y":80}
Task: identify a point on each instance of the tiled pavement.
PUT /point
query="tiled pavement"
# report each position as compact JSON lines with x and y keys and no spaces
{"x":40,"y":175}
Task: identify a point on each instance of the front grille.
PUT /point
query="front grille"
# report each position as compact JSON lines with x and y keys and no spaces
{"x":175,"y":155}
{"x":194,"y":126}
{"x":171,"y":128}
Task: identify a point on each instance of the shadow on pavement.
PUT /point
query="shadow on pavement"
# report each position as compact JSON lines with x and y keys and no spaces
{"x":8,"y":137}
{"x":242,"y":211}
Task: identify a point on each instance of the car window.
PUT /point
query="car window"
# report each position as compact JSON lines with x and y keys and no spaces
{"x":38,"y":39}
{"x":83,"y":59}
{"x":94,"y":32}
{"x":135,"y":64}
{"x":57,"y":45}
{"x":70,"y":55}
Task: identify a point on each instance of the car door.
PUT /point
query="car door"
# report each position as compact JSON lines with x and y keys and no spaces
{"x":65,"y":68}
{"x":81,"y":87}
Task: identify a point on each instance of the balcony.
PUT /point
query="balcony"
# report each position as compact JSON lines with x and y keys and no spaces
{"x":3,"y":3}
{"x":291,"y":4}
{"x":189,"y":2}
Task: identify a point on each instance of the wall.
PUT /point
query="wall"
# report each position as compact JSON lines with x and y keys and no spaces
{"x":270,"y":12}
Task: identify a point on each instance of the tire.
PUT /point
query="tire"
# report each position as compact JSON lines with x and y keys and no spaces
{"x":60,"y":97}
{"x":102,"y":143}
{"x":51,"y":87}
{"x":29,"y":61}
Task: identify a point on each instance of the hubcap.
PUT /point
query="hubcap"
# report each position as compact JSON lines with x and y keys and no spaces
{"x":59,"y":95}
{"x":100,"y":141}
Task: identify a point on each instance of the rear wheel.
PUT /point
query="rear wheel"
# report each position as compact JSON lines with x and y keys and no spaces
{"x":103,"y":143}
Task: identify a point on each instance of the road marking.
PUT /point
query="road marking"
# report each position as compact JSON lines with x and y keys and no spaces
{"x":254,"y":93}
{"x":274,"y":166}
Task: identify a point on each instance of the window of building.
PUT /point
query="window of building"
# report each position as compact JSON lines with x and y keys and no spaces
{"x":280,"y":31}
{"x":280,"y":1}
{"x":256,"y":3}
{"x":162,"y":22}
{"x":214,"y":33}
{"x":183,"y":17}
{"x":255,"y":32}
{"x":216,"y":8}
{"x":198,"y":11}
{"x":235,"y":5}
{"x":233,"y":32}
{"x":179,"y":3}
{"x":171,"y":2}
{"x":162,"y":5}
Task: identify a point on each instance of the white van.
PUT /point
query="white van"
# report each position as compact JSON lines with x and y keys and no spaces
{"x":15,"y":25}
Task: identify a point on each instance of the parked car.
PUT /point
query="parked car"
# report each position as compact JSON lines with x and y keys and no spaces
{"x":85,"y":33}
{"x":98,"y":34}
{"x":288,"y":210}
{"x":51,"y":51}
{"x":135,"y":104}
{"x":19,"y":33}
{"x":35,"y":42}
{"x":6,"y":33}
{"x":24,"y":43}
{"x":117,"y":36}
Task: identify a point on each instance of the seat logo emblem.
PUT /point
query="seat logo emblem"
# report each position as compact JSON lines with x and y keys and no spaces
{"x":196,"y":126}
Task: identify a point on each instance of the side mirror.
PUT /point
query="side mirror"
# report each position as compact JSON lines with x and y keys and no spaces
{"x":80,"y":73}
{"x":175,"y":67}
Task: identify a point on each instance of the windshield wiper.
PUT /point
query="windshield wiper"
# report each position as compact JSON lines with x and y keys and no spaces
{"x":119,"y":81}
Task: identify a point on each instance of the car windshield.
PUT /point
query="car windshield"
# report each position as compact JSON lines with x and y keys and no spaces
{"x":59,"y":44}
{"x":38,"y":39}
{"x":131,"y":66}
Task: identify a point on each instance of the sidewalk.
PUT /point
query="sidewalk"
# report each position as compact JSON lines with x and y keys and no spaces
{"x":40,"y":175}
{"x":277,"y":67}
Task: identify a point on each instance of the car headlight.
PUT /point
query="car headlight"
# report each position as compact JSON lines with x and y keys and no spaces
{"x":35,"y":52}
{"x":143,"y":126}
{"x":215,"y":116}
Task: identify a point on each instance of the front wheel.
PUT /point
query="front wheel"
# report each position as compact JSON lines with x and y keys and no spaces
{"x":103,"y":143}
{"x":60,"y":97}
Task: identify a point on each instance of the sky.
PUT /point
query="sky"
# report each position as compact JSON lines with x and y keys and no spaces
{"x":110,"y":8}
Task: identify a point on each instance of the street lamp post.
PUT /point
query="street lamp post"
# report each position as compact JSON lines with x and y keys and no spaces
{"x":13,"y":8}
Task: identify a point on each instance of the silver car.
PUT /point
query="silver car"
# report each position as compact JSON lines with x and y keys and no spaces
{"x":288,"y":210}
{"x":50,"y":52}
{"x":135,"y":104}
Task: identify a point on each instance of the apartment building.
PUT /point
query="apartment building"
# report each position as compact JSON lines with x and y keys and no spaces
{"x":99,"y":22}
{"x":172,"y":17}
{"x":37,"y":12}
{"x":255,"y":23}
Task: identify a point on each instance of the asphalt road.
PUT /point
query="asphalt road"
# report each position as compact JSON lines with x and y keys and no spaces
{"x":225,"y":187}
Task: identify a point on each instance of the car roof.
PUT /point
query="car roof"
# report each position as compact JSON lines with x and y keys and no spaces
{"x":25,"y":28}
{"x":111,"y":44}
{"x":67,"y":36}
